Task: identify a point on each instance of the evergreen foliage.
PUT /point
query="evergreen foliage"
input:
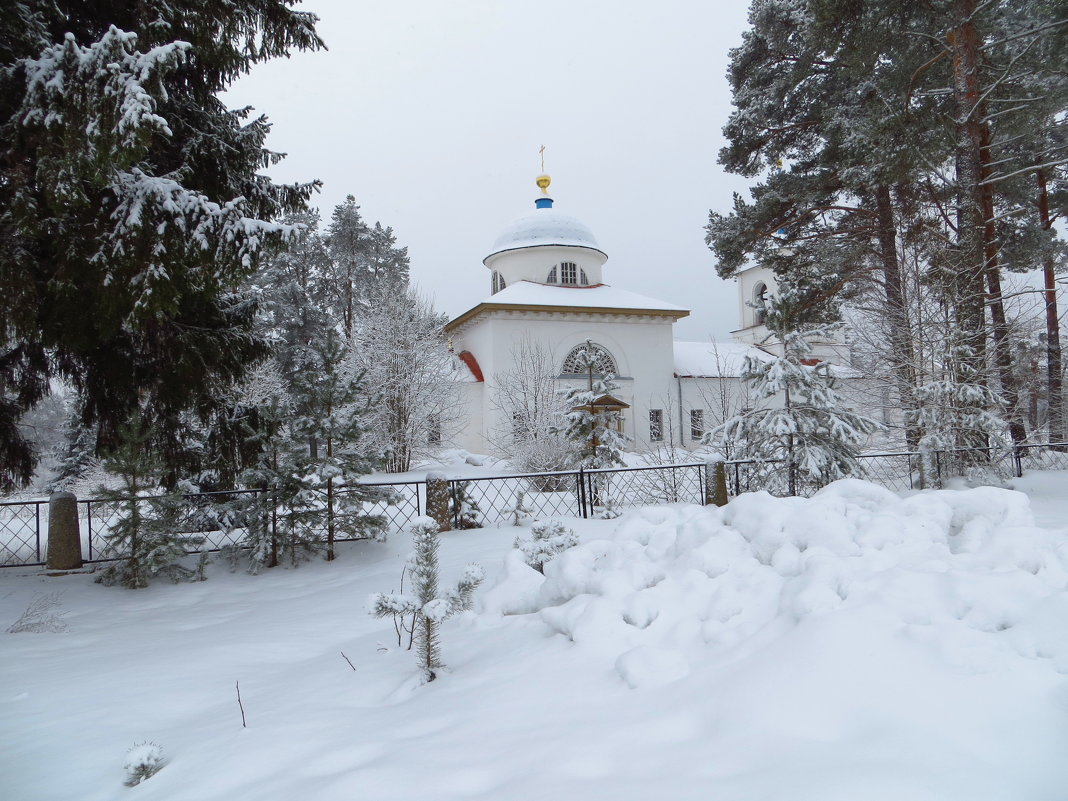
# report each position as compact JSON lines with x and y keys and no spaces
{"x":128,"y":188}
{"x":430,"y":606}
{"x":813,"y":434}
{"x":547,"y":539}
{"x":464,"y":510}
{"x":593,"y":428}
{"x":76,"y":455}
{"x":879,"y":134}
{"x":146,"y":536}
{"x":520,"y":511}
{"x":310,"y":478}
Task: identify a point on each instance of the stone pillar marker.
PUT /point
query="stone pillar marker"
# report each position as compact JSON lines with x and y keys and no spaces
{"x":437,"y":500}
{"x":64,"y":536}
{"x":715,"y":483}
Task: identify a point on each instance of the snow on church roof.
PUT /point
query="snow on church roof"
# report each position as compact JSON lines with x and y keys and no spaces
{"x":548,"y":297}
{"x":600,"y":296}
{"x":726,"y":359}
{"x":713,"y":359}
{"x":545,"y":227}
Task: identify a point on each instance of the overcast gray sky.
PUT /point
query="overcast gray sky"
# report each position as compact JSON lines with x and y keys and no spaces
{"x":431,"y":113}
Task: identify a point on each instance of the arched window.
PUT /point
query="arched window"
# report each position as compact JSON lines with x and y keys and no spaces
{"x":576,"y":363}
{"x":567,"y":273}
{"x":498,"y":283}
{"x":760,"y":302}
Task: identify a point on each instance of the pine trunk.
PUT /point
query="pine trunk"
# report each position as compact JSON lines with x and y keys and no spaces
{"x":1054,"y":362}
{"x":902,"y":355}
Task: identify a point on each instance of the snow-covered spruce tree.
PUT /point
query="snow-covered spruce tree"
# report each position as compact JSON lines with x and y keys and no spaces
{"x":430,"y":607}
{"x":400,"y":345}
{"x":145,"y":536}
{"x":520,"y":511}
{"x":592,"y":426}
{"x":797,"y":419}
{"x":334,"y":411}
{"x":76,"y":456}
{"x":363,"y":261}
{"x":464,"y":509}
{"x":547,"y":539}
{"x":959,"y":420}
{"x":130,"y":189}
{"x":348,"y":243}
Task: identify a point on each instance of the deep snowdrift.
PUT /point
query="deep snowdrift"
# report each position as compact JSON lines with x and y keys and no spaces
{"x":850,"y":646}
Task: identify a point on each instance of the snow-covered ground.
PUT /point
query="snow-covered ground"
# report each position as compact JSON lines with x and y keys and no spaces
{"x":853,"y":646}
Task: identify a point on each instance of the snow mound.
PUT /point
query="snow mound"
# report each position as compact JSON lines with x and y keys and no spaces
{"x":964,"y":573}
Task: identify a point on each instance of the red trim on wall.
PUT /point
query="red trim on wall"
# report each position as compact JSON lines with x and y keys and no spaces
{"x":468,"y":358}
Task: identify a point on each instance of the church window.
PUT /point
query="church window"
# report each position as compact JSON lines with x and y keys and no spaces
{"x":603,"y":363}
{"x":498,"y":283}
{"x":697,"y":423}
{"x":552,"y":276}
{"x":568,"y":272}
{"x":760,"y":302}
{"x":656,"y":425}
{"x":582,"y":278}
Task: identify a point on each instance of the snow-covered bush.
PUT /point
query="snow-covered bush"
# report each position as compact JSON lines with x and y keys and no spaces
{"x":44,"y":614}
{"x":430,"y":607}
{"x":547,"y":539}
{"x":143,"y":761}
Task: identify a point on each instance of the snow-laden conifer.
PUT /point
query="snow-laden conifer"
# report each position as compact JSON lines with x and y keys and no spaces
{"x":328,"y":450}
{"x":592,"y":424}
{"x":130,"y":189}
{"x":145,"y":535}
{"x":547,"y":539}
{"x":799,"y":426}
{"x":430,"y":606}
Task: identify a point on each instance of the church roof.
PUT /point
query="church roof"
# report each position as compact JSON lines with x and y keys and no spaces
{"x":713,"y":359}
{"x":726,"y":359}
{"x":544,"y":227}
{"x":600,"y":298}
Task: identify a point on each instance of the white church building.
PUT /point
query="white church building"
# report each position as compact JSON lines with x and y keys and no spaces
{"x":548,"y":287}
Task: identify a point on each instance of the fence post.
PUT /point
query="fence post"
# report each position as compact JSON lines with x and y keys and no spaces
{"x":64,"y":537}
{"x":437,"y":500}
{"x":1017,"y":460}
{"x":582,"y":492}
{"x":715,"y":483}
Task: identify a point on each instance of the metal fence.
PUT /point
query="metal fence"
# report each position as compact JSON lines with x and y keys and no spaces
{"x":494,"y":500}
{"x":573,"y":493}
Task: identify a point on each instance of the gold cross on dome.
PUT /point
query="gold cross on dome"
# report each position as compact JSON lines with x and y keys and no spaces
{"x":541,"y":152}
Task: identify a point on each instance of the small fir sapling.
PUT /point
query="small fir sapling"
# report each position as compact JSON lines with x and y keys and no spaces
{"x":145,"y":537}
{"x":547,"y":539}
{"x":520,"y":511}
{"x":608,"y":510}
{"x":426,"y":603}
{"x":143,"y":761}
{"x":465,"y":509}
